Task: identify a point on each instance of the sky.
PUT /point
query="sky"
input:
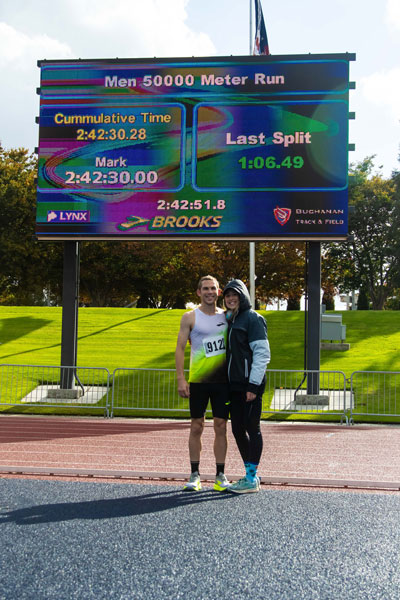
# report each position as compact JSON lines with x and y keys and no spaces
{"x":31,"y":30}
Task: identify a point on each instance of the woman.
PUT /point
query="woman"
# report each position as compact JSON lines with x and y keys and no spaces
{"x":247,"y":357}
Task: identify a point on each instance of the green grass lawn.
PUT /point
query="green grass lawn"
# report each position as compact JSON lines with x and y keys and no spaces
{"x":144,"y":338}
{"x":107,"y":338}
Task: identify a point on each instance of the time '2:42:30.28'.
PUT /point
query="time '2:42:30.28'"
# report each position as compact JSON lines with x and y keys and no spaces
{"x":111,"y":134}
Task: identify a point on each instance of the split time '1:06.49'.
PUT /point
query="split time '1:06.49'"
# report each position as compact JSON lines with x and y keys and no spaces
{"x":270,"y":162}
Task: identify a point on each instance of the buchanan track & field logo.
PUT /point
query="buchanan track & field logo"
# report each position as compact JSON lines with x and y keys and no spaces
{"x":282,"y":215}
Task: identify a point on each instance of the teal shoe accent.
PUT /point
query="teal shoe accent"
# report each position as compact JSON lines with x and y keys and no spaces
{"x":244,"y":486}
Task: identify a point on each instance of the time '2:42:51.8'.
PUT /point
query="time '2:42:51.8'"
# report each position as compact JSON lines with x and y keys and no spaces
{"x":191,"y":204}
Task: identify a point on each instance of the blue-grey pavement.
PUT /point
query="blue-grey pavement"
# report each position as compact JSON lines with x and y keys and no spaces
{"x":67,"y":540}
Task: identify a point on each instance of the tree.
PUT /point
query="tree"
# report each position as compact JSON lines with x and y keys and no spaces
{"x":168,"y":272}
{"x":29,"y":269}
{"x":106,"y":273}
{"x":330,"y":275}
{"x":371,"y":261}
{"x":280,"y":272}
{"x":363,"y":301}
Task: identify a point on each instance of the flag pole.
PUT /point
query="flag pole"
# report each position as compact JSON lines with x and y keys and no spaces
{"x":251,"y":26}
{"x":252,"y":248}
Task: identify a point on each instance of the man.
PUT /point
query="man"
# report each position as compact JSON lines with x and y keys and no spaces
{"x":206,"y":329}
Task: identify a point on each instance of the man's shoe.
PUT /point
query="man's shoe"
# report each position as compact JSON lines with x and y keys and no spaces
{"x":221,"y":484}
{"x":244,"y":486}
{"x":194,"y":483}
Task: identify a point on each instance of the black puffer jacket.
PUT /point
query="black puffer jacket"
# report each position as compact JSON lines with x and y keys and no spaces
{"x":248,"y":350}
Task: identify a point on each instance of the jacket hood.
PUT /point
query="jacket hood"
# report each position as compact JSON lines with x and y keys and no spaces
{"x":238,"y":286}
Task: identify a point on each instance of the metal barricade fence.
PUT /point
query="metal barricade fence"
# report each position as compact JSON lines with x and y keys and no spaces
{"x":146,"y":390}
{"x":286,"y":392}
{"x":155,"y":391}
{"x":300,"y":392}
{"x":48,"y":386}
{"x":375,"y":393}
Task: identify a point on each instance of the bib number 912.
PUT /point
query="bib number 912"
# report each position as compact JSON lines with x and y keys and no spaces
{"x":214,"y":346}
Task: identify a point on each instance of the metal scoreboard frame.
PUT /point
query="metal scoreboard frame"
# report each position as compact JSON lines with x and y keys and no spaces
{"x":245,"y":148}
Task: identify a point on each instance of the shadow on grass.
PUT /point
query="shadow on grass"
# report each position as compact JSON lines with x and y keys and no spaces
{"x":160,"y":361}
{"x":152,"y":314}
{"x":17,"y":327}
{"x":58,"y":345}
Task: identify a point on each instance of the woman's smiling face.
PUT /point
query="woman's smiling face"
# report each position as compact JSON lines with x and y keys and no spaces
{"x":232,"y":300}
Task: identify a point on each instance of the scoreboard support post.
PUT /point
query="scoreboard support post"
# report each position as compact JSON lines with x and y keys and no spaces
{"x":70,"y":303}
{"x":314,"y":316}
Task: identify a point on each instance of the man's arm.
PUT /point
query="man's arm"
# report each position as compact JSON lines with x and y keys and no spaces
{"x":183,"y":336}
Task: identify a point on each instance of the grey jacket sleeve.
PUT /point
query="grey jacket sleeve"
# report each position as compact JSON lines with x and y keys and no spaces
{"x":258,"y":341}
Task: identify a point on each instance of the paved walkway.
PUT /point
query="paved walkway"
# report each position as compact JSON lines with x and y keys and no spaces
{"x":95,"y":541}
{"x":360,"y":456}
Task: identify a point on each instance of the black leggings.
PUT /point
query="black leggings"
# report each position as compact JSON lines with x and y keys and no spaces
{"x":245,"y":419}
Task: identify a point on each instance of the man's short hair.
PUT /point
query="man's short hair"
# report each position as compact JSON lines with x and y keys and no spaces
{"x":206,"y":277}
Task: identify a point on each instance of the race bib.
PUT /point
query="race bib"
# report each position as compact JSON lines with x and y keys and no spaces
{"x":214,"y":345}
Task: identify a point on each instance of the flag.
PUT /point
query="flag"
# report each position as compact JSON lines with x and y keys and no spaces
{"x":260,"y":39}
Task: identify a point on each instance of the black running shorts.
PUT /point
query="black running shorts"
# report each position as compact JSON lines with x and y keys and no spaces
{"x":201,"y":393}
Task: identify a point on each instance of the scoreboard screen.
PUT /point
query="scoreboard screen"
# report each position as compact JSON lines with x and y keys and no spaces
{"x":252,"y":147}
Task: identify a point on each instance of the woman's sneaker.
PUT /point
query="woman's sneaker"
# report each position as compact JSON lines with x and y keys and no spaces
{"x":194,"y":483}
{"x":244,"y":486}
{"x":221,"y":484}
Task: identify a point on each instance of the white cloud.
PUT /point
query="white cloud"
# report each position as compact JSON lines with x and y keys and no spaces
{"x":104,"y":29}
{"x":19,"y":53}
{"x":392,"y":14}
{"x":383,"y":89}
{"x":151,"y":28}
{"x":137,"y":28}
{"x":19,"y":50}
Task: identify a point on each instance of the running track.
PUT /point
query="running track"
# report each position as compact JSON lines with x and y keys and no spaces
{"x":145,"y":450}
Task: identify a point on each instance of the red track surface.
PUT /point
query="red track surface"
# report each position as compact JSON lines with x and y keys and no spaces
{"x":364,"y":456}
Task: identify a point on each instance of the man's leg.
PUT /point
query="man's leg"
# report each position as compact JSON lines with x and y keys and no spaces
{"x":196,"y":431}
{"x":220,"y":440}
{"x":219,"y":396}
{"x":221,"y":483}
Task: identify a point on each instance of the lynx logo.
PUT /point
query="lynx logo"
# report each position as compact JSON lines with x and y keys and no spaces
{"x":68,"y":216}
{"x":282,"y":215}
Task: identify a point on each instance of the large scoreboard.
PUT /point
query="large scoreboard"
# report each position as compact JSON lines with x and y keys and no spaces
{"x":252,"y":147}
